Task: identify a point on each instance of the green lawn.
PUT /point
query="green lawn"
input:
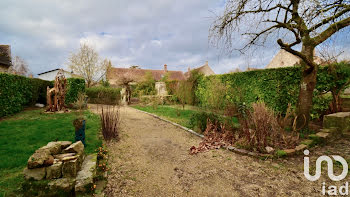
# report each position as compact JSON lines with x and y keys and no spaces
{"x":171,"y":113}
{"x":23,"y":133}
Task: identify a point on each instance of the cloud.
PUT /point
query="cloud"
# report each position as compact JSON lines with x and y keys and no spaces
{"x":148,"y":33}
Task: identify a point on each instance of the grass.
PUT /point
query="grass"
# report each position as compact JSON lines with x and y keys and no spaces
{"x":173,"y":114}
{"x":23,"y":133}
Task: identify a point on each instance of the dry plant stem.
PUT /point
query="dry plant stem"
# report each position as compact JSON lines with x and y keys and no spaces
{"x":110,"y":119}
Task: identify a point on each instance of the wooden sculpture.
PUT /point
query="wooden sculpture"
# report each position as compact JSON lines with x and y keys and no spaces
{"x":56,"y":95}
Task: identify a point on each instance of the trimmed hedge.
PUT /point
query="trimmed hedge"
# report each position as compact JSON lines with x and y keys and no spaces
{"x":103,"y":95}
{"x":75,"y":85}
{"x":17,"y":92}
{"x":276,"y":87}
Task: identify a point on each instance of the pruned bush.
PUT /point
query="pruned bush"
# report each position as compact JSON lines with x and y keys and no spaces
{"x":110,"y":119}
{"x":103,"y":95}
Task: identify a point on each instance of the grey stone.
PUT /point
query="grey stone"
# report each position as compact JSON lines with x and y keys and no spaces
{"x":62,"y":156}
{"x":289,"y":151}
{"x":54,"y":171}
{"x":38,"y":158}
{"x":39,"y":105}
{"x":36,"y":174}
{"x":85,"y":177}
{"x":300,"y":147}
{"x":77,"y":147}
{"x":340,"y":120}
{"x":322,"y":135}
{"x":70,"y":168}
{"x":65,"y":144}
{"x":53,"y":147}
{"x":269,"y":149}
{"x":62,"y":184}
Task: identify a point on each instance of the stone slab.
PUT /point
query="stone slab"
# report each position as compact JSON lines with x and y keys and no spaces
{"x":36,"y":173}
{"x":70,"y":168}
{"x":54,"y":171}
{"x":85,"y":177}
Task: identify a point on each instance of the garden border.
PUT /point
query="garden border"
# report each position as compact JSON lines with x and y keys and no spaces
{"x":230,"y":148}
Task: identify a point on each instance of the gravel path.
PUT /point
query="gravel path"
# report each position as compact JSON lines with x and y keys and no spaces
{"x":152,"y":159}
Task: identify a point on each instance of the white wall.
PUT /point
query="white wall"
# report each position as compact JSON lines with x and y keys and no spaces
{"x":50,"y":76}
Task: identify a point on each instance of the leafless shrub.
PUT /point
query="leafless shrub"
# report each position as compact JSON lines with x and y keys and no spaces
{"x":110,"y":119}
{"x":262,"y":128}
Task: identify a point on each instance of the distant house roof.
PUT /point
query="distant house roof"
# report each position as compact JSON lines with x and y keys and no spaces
{"x":5,"y":55}
{"x":138,"y":74}
{"x":285,"y":59}
{"x":75,"y":75}
{"x":205,"y":69}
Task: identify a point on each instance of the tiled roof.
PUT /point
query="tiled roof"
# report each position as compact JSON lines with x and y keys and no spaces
{"x":138,"y":74}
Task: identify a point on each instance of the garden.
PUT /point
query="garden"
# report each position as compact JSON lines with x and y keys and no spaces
{"x":253,"y":111}
{"x":26,"y":127}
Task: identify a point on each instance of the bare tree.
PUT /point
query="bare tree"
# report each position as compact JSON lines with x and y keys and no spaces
{"x":296,"y":22}
{"x":19,"y":67}
{"x":87,"y":63}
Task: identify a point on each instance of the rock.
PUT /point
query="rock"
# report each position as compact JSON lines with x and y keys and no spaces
{"x":64,"y":144}
{"x":49,"y":161}
{"x":77,"y":147}
{"x":300,"y":147}
{"x":70,"y":168}
{"x":340,"y":120}
{"x":307,"y":142}
{"x":85,"y":177}
{"x":289,"y":151}
{"x":70,"y":158}
{"x":39,"y":105}
{"x":269,"y":149}
{"x":62,"y":156}
{"x":36,"y":174}
{"x":38,"y":158}
{"x":54,"y":171}
{"x":322,"y":135}
{"x":62,"y":185}
{"x":231,"y":148}
{"x":53,"y":147}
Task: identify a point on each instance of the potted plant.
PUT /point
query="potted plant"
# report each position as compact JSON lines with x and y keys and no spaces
{"x":80,"y":122}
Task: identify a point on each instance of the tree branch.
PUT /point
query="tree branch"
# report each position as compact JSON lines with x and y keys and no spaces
{"x":332,"y":29}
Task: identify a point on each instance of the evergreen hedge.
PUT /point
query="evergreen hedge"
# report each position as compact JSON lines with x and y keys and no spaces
{"x":75,"y":85}
{"x":103,"y":95}
{"x":276,"y":87}
{"x":18,"y":91}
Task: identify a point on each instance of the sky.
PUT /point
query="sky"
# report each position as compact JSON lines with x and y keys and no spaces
{"x":148,"y":33}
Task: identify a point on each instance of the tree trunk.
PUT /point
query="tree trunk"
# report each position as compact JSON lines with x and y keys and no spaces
{"x":306,"y":89}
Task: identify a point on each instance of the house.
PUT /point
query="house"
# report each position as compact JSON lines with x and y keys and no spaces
{"x":205,"y":70}
{"x":51,"y":74}
{"x":5,"y":58}
{"x":135,"y":74}
{"x":285,"y":59}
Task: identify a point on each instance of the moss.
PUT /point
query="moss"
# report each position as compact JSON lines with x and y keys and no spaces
{"x":281,"y":153}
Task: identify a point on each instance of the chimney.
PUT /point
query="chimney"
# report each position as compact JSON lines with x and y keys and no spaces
{"x":165,"y":68}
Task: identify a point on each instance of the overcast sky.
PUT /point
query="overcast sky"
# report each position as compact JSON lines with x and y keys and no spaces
{"x":149,"y":33}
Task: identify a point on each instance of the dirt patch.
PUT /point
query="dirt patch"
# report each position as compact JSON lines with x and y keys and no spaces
{"x":152,"y":159}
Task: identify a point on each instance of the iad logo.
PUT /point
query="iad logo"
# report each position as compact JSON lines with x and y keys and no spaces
{"x":330,"y":167}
